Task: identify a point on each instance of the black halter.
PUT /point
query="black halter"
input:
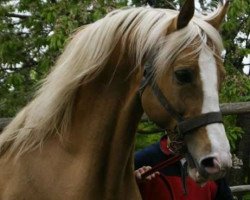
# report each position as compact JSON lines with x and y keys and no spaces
{"x":184,"y":126}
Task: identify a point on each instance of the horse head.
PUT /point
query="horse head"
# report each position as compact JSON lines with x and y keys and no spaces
{"x":181,"y":86}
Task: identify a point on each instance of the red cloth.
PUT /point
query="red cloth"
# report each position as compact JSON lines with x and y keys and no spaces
{"x":170,"y":188}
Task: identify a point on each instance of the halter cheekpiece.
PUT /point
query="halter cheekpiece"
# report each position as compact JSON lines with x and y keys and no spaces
{"x":184,"y":126}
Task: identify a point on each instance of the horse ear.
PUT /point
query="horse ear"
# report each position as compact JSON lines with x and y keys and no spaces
{"x":184,"y":17}
{"x":216,"y":19}
{"x":186,"y":14}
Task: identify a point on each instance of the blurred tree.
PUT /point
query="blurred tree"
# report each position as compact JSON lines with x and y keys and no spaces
{"x":157,"y":3}
{"x":33,"y":33}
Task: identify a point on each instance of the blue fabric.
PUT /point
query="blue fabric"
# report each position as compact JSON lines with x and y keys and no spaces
{"x":149,"y":156}
{"x":224,"y":192}
{"x":152,"y":155}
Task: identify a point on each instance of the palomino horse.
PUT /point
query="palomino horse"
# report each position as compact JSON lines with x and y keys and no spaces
{"x":75,"y":139}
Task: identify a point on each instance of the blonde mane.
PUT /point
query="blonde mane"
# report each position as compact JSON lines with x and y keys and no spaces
{"x":141,"y":31}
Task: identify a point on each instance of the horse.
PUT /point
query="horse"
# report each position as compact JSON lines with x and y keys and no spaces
{"x":76,"y":138}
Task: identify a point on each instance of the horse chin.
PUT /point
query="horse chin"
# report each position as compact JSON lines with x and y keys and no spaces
{"x":199,"y":175}
{"x":196,"y":176}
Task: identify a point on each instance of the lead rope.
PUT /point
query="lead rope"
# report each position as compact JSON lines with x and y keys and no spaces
{"x":184,"y":178}
{"x":167,"y":163}
{"x":162,"y":165}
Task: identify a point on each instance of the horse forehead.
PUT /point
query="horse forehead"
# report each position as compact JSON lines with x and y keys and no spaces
{"x":210,"y":57}
{"x":190,"y":56}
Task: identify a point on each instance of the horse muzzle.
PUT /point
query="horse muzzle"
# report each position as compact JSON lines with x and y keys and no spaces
{"x":211,"y":167}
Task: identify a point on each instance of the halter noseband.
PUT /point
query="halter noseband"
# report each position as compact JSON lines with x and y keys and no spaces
{"x":184,"y":126}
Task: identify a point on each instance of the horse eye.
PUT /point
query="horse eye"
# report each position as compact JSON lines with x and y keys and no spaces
{"x":184,"y":76}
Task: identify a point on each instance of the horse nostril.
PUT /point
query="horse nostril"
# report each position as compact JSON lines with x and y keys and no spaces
{"x":211,"y":165}
{"x":208,"y":162}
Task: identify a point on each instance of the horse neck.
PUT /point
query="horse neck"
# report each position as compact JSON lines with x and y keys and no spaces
{"x":105,"y":117}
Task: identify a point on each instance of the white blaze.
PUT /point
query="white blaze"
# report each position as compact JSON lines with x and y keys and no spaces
{"x":208,"y":73}
{"x":216,"y":132}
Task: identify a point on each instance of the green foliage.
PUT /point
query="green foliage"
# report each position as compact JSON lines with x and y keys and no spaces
{"x":158,"y":3}
{"x":33,"y":34}
{"x":235,"y":33}
{"x":234,"y":133}
{"x":148,"y":133}
{"x":236,"y":88}
{"x":145,"y":140}
{"x":148,"y":127}
{"x":246,"y":196}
